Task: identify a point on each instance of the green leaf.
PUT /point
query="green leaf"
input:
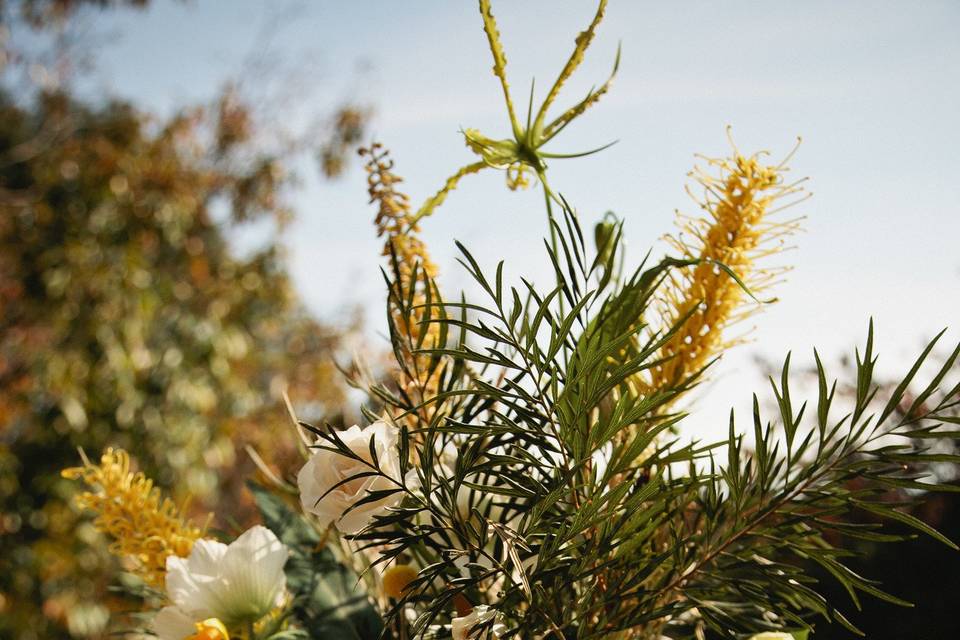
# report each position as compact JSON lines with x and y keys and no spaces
{"x":289,"y":526}
{"x":329,"y":599}
{"x":907,"y":519}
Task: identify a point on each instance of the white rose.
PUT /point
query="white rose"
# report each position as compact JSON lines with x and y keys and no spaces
{"x":236,"y":583}
{"x":325,"y":469}
{"x":461,"y":627}
{"x":772,"y":635}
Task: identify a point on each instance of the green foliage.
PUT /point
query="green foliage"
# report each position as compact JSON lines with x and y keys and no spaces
{"x":539,"y":479}
{"x":51,"y":13}
{"x":536,"y":481}
{"x":328,"y":600}
{"x":128,"y":321}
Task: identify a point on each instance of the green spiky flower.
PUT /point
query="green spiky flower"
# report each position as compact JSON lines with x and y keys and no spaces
{"x":523,"y":154}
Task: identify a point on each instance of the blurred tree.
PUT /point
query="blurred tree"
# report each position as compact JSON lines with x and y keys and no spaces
{"x":42,"y":13}
{"x":127,"y":319}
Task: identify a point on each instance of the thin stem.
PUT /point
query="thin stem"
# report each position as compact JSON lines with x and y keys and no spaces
{"x":552,"y":223}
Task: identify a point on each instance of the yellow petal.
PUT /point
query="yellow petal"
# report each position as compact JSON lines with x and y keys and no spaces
{"x":396,"y":579}
{"x":210,"y":629}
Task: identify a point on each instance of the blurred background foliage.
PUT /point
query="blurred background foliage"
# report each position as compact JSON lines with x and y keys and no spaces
{"x":129,"y":320}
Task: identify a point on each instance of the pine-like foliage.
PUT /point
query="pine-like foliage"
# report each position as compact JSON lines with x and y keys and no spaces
{"x":544,"y":478}
{"x":543,"y":508}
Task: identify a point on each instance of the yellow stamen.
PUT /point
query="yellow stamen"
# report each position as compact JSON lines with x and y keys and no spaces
{"x":144,"y":525}
{"x":736,"y":233}
{"x":210,"y":629}
{"x":395,"y":222}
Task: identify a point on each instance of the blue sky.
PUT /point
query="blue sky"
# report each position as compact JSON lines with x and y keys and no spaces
{"x":871,"y":86}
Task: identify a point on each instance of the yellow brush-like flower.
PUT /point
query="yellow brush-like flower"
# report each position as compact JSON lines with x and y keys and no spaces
{"x":145,"y":526}
{"x":395,"y":224}
{"x":739,"y":196}
{"x":394,"y":220}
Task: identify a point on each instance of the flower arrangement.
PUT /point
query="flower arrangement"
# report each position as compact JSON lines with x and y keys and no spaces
{"x":521,"y":476}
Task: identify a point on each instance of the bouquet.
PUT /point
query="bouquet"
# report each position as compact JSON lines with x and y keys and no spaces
{"x":522,"y":472}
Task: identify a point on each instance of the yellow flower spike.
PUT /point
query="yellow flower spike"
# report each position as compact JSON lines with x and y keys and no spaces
{"x":522,"y":155}
{"x":737,"y":232}
{"x":396,"y":579}
{"x":144,"y":525}
{"x":395,"y":223}
{"x":210,"y":629}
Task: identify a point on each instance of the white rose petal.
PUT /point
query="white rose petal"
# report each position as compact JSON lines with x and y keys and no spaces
{"x":325,"y":469}
{"x":172,"y":623}
{"x":772,"y":635}
{"x":191,"y":581}
{"x":239,"y":582}
{"x":463,"y":628}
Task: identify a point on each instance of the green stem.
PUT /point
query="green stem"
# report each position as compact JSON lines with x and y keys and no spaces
{"x":548,"y":197}
{"x":551,"y":222}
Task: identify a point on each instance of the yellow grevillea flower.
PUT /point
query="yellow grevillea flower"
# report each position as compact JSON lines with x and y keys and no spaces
{"x":396,"y":225}
{"x":144,"y":525}
{"x":394,"y":220}
{"x":523,"y":153}
{"x":739,"y":196}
